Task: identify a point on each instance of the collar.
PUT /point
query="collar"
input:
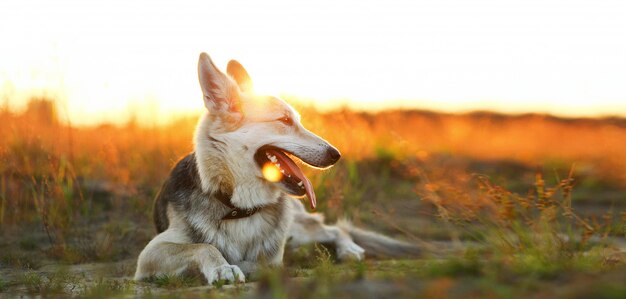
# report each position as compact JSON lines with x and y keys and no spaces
{"x":235,"y":212}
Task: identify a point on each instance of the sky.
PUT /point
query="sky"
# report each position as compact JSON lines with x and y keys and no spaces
{"x":108,"y":60}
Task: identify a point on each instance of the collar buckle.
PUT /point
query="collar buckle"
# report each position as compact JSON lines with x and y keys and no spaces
{"x":235,"y":212}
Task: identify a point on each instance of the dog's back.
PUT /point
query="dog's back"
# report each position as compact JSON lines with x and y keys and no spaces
{"x":177,"y":189}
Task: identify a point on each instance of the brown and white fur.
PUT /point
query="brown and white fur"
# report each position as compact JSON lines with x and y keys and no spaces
{"x":188,"y":216}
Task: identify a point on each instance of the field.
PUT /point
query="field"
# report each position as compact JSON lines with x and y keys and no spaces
{"x":504,"y":206}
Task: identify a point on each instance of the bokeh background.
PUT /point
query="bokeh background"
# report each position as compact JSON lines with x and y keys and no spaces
{"x":111,"y":60}
{"x":490,"y":133}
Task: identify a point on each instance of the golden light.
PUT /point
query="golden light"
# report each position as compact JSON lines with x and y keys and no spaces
{"x":140,"y":62}
{"x":271,"y":172}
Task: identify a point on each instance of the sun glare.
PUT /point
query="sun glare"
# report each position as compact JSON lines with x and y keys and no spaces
{"x":271,"y":172}
{"x":114,"y":60}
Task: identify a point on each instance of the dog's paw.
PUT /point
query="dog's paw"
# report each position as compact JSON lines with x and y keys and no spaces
{"x":350,"y":252}
{"x":229,"y":273}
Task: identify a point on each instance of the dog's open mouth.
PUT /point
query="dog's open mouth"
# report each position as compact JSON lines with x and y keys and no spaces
{"x":279,"y":168}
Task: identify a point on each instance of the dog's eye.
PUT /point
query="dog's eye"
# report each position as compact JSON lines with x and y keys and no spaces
{"x":286,"y":120}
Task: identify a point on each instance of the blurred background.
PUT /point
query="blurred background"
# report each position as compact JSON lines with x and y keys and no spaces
{"x":111,"y":60}
{"x":493,"y":129}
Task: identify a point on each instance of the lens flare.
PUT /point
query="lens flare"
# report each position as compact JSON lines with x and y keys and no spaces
{"x":271,"y":172}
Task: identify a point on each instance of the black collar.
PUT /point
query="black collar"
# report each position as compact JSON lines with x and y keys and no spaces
{"x":235,"y":212}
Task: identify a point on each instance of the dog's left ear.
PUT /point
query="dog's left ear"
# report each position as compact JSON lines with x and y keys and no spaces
{"x":240,"y":75}
{"x":221,"y":95}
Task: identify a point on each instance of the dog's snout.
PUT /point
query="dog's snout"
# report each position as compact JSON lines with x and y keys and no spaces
{"x":333,"y":154}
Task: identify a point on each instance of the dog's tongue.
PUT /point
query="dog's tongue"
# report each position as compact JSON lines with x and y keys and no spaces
{"x":290,"y":166}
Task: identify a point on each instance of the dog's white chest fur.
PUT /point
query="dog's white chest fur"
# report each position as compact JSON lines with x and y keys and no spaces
{"x":255,"y":238}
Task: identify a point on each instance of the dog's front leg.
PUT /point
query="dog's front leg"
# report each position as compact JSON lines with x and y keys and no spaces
{"x":248,"y":268}
{"x":167,"y":258}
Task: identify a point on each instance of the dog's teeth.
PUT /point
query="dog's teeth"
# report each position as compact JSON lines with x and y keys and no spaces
{"x":300,"y":184}
{"x":271,"y":158}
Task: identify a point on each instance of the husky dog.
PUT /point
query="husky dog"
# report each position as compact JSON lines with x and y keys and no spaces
{"x":220,"y":213}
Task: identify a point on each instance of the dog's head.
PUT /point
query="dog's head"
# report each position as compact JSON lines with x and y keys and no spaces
{"x":259,"y":134}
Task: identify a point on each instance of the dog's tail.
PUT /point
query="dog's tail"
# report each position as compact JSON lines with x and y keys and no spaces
{"x":377,"y":245}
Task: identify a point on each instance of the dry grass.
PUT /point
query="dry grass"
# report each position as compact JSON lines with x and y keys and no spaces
{"x":74,"y":194}
{"x":56,"y":173}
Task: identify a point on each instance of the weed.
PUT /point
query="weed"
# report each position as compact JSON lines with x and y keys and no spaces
{"x":106,"y":288}
{"x":176,"y":281}
{"x":28,"y":244}
{"x":537,"y":234}
{"x":59,"y":282}
{"x":20,"y":260}
{"x":467,"y":265}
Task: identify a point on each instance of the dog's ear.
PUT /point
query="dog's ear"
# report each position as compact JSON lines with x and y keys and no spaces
{"x":220,"y":92}
{"x":239,"y":73}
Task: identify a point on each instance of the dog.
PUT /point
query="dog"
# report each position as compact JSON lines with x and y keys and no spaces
{"x":227,"y":207}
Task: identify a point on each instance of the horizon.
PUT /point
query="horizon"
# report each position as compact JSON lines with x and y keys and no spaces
{"x":133,"y":119}
{"x":563,"y":58}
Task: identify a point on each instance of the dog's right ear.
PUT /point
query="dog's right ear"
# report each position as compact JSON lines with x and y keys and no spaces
{"x":220,"y":92}
{"x":239,"y":73}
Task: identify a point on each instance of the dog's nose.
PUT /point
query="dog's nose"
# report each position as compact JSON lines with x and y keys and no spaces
{"x":334,"y":154}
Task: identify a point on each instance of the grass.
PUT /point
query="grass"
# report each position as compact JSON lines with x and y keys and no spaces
{"x":506,"y":206}
{"x":60,"y":282}
{"x":106,"y":288}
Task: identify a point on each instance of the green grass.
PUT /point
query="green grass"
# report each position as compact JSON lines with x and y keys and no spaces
{"x":60,"y":282}
{"x":19,"y":260}
{"x":3,"y":285}
{"x":107,"y":288}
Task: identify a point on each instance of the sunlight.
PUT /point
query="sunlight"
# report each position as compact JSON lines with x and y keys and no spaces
{"x":105,"y":63}
{"x":271,"y":172}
